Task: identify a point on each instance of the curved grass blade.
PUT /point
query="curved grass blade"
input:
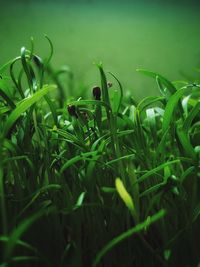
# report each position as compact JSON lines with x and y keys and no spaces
{"x":157,"y":169}
{"x":104,"y":85}
{"x":186,"y":173}
{"x":121,"y":92}
{"x":163,"y":80}
{"x":137,"y":229}
{"x":16,"y":83}
{"x":19,"y":231}
{"x":185,"y":141}
{"x":24,"y":105}
{"x":147,"y":101}
{"x":19,"y":243}
{"x":38,"y":193}
{"x":171,"y":107}
{"x":51,"y":50}
{"x":83,"y":156}
{"x":26,"y":67}
{"x":153,"y":189}
{"x":121,"y":158}
{"x":52,"y":108}
{"x":69,"y":137}
{"x":188,"y":121}
{"x":163,"y":90}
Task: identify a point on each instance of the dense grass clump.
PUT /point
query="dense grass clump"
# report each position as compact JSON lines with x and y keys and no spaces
{"x":104,"y":181}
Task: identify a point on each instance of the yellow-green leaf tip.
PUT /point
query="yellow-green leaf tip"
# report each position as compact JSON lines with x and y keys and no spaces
{"x":125,"y":196}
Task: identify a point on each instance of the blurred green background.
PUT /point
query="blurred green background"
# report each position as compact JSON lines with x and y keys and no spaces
{"x":124,"y":35}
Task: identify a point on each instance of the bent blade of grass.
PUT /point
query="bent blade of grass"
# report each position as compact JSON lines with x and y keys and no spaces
{"x":12,"y":75}
{"x":72,"y":161}
{"x":37,"y":194}
{"x":160,"y":150}
{"x":147,"y":101}
{"x":186,"y":173}
{"x":33,"y":78}
{"x":188,"y":121}
{"x":69,"y":137}
{"x":24,"y":105}
{"x":121,"y":92}
{"x":26,"y":67}
{"x":5,"y":66}
{"x":124,"y":133}
{"x":153,"y":189}
{"x":163,"y":90}
{"x":121,"y":158}
{"x":155,"y":170}
{"x":185,"y":142}
{"x":52,"y":108}
{"x":112,"y":122}
{"x":20,"y":230}
{"x":19,"y":242}
{"x":104,"y":85}
{"x":163,"y":80}
{"x":136,"y":229}
{"x":51,"y":51}
{"x":171,"y":107}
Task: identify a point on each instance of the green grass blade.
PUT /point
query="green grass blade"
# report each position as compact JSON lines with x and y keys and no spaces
{"x":156,"y":170}
{"x":171,"y":107}
{"x":137,"y":229}
{"x":26,"y":67}
{"x":26,"y":104}
{"x":147,"y":101}
{"x":52,"y":108}
{"x":51,"y":50}
{"x":163,"y":80}
{"x":184,"y":139}
{"x":83,"y":156}
{"x":121,"y":92}
{"x":188,"y":121}
{"x":104,"y":86}
{"x":19,"y":231}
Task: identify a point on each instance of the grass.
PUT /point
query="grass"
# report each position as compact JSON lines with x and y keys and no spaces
{"x":104,"y":181}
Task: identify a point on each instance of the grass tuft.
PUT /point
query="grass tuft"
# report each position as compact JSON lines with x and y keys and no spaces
{"x":60,"y":201}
